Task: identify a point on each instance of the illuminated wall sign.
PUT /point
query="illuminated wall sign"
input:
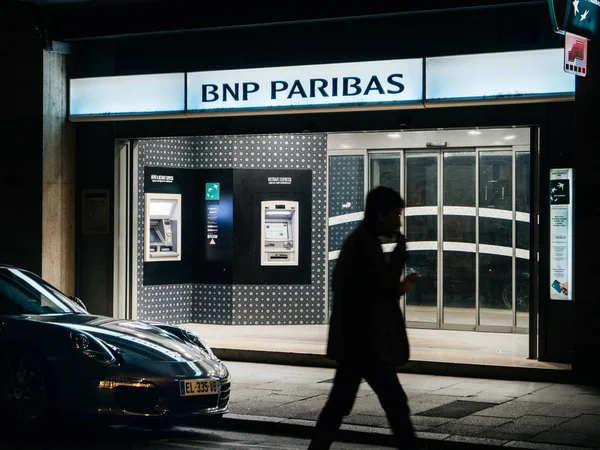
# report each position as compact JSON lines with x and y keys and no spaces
{"x":561,"y":234}
{"x":362,"y":83}
{"x":497,"y":75}
{"x":130,"y":94}
{"x":489,"y":76}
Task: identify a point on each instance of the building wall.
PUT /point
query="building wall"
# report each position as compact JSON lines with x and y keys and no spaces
{"x":21,"y":166}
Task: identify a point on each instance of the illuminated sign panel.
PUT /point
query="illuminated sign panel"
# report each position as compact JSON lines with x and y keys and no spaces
{"x":497,"y":75}
{"x":487,"y":77}
{"x":561,"y":234}
{"x":129,"y":94}
{"x":372,"y":82}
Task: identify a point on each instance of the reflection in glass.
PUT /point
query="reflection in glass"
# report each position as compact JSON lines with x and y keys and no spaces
{"x":495,"y":231}
{"x":522,"y":292}
{"x":459,"y":177}
{"x":385,"y":170}
{"x":459,"y":228}
{"x":522,"y":166}
{"x":495,"y":180}
{"x":495,"y":290}
{"x":523,"y":199}
{"x":421,"y":228}
{"x":421,"y":302}
{"x":421,"y":181}
{"x":459,"y":288}
{"x":522,"y":235}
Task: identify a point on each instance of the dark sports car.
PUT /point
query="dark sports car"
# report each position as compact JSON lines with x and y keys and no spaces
{"x":58,"y":360}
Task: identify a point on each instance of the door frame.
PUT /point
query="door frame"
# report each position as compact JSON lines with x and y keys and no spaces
{"x":125,"y":277}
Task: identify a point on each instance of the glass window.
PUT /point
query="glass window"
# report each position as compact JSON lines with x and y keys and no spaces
{"x":385,"y":170}
{"x":459,"y":287}
{"x":495,"y":180}
{"x":459,"y":228}
{"x":421,"y":302}
{"x":523,"y":174}
{"x":421,"y":228}
{"x":421,"y":181}
{"x":495,"y":231}
{"x":522,"y":292}
{"x":522,"y":236}
{"x":24,"y":293}
{"x":495,"y":290}
{"x":459,"y":179}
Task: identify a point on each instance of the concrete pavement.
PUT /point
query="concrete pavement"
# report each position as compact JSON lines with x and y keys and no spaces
{"x":447,"y":412}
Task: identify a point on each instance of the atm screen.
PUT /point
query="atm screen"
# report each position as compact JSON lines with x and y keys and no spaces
{"x":159,"y":208}
{"x":276,"y":230}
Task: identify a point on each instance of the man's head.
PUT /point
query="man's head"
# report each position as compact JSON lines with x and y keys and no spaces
{"x":382,"y":211}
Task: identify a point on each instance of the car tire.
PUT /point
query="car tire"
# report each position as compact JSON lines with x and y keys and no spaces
{"x":24,"y":387}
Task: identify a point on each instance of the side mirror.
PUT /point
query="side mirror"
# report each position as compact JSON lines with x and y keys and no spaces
{"x":79,"y":302}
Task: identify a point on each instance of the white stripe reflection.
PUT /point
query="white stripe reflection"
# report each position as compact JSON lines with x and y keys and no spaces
{"x":346,"y":218}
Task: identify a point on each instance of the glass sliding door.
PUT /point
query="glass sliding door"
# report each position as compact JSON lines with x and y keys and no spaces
{"x":421,"y":228}
{"x":496,"y":238}
{"x":385,"y":169}
{"x":522,"y":206}
{"x":467,"y":222}
{"x":458,"y":238}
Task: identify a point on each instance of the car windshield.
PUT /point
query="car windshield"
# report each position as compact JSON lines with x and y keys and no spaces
{"x":25,"y":293}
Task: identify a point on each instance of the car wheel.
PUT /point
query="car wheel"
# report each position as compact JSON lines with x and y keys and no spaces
{"x":24,"y":387}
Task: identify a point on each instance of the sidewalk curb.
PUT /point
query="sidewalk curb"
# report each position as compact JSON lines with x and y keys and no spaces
{"x":417,"y":367}
{"x":371,"y":435}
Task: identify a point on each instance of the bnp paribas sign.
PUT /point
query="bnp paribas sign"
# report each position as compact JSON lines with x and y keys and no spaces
{"x":580,"y":17}
{"x":350,"y":84}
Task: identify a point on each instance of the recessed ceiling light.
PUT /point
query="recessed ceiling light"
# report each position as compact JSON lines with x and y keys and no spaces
{"x":474,"y":132}
{"x":509,"y":137}
{"x":394,"y":135}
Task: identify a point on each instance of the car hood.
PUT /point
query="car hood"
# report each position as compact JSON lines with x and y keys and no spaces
{"x":134,"y":338}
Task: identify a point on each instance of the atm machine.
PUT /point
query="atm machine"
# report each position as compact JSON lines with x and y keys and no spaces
{"x":162,"y":237}
{"x":279,"y":233}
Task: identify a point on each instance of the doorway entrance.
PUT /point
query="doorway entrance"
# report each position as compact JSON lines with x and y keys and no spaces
{"x":466,"y":221}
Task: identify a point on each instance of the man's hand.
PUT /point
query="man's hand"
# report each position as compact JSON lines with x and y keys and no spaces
{"x":401,"y":240}
{"x":409,"y":281}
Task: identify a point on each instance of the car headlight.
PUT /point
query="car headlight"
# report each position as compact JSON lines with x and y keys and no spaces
{"x":92,"y":347}
{"x":196,"y":340}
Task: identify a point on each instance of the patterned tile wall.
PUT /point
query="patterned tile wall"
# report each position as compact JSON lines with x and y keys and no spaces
{"x":169,"y":303}
{"x":241,"y":304}
{"x":212,"y":304}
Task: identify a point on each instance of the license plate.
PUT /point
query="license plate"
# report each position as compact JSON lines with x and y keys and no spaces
{"x":204,"y":386}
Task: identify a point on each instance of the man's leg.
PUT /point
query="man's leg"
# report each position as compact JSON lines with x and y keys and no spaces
{"x":339,"y":404}
{"x":385,"y":383}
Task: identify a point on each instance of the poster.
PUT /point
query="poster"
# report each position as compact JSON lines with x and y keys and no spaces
{"x":561,"y":234}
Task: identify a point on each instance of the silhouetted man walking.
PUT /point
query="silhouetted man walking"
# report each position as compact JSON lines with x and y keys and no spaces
{"x":367,"y":335}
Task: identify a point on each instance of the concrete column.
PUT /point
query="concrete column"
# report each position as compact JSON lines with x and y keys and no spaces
{"x":58,"y":187}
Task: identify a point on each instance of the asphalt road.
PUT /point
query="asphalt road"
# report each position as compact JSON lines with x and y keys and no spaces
{"x":68,"y":437}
